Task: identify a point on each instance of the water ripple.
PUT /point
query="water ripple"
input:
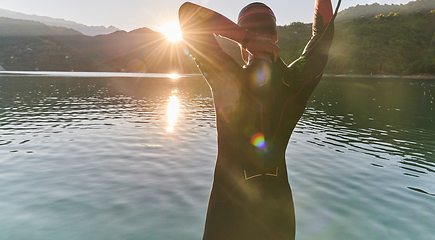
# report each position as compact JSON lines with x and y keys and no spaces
{"x":92,"y":159}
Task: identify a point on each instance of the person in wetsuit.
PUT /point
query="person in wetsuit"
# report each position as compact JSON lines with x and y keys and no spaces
{"x":257,"y":107}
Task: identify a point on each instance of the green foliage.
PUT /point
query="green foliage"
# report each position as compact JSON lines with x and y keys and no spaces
{"x":375,"y":9}
{"x":292,"y":39}
{"x":393,"y":44}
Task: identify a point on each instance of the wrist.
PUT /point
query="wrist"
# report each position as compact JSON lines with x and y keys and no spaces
{"x":246,"y":38}
{"x":324,"y":8}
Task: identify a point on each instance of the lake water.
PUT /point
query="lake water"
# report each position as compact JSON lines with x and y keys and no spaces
{"x":132,"y":157}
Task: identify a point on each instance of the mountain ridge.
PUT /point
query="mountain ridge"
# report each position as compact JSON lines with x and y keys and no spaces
{"x":17,"y":27}
{"x":59,"y":22}
{"x":42,"y":48}
{"x":394,"y":44}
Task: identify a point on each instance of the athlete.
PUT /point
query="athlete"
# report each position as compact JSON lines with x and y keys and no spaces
{"x":257,"y":107}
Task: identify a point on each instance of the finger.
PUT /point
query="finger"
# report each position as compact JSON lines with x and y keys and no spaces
{"x":270,"y":58}
{"x":264,"y":55}
{"x":273,"y":54}
{"x":276,"y":52}
{"x":276,"y":56}
{"x":273,"y":49}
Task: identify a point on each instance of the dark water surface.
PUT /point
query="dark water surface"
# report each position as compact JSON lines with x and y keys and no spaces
{"x":133,"y":158}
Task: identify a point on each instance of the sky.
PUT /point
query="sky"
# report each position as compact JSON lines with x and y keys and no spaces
{"x":132,"y":14}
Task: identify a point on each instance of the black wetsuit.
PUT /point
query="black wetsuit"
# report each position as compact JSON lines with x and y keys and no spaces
{"x":251,"y":196}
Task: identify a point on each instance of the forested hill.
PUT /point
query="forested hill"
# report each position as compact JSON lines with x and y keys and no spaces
{"x":372,"y":10}
{"x":395,"y":43}
{"x":29,"y":45}
{"x":15,"y":27}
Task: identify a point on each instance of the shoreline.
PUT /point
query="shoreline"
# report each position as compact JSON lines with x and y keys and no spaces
{"x":381,"y":76}
{"x":163,"y":75}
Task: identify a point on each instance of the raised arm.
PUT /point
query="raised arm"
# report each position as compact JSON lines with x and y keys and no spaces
{"x":307,"y":70}
{"x":199,"y":25}
{"x":323,"y":32}
{"x":315,"y":54}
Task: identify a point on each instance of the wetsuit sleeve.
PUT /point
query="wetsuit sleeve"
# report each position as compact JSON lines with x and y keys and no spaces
{"x":199,"y":26}
{"x":307,"y":70}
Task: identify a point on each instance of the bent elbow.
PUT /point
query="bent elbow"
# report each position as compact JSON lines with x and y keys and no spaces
{"x":186,"y":14}
{"x":182,"y":9}
{"x":186,"y":11}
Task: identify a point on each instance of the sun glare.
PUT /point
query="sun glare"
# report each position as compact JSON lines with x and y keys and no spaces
{"x":172,"y":111}
{"x":172,"y":31}
{"x":173,"y":76}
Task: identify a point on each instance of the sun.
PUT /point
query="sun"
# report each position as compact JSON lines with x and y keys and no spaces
{"x":172,"y":31}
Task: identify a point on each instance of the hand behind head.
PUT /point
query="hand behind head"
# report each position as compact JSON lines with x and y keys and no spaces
{"x":262,"y":47}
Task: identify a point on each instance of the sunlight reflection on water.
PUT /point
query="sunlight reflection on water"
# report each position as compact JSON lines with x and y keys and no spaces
{"x":173,"y":111}
{"x":93,"y":158}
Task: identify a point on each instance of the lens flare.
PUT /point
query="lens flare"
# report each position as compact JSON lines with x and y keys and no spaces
{"x":172,"y":31}
{"x":258,"y":140}
{"x":261,"y":75}
{"x":172,"y":112}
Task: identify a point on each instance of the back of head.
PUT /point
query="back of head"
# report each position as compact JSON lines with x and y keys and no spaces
{"x":258,"y":18}
{"x":253,"y":8}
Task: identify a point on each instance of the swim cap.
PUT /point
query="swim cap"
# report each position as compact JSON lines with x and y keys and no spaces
{"x":255,"y":8}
